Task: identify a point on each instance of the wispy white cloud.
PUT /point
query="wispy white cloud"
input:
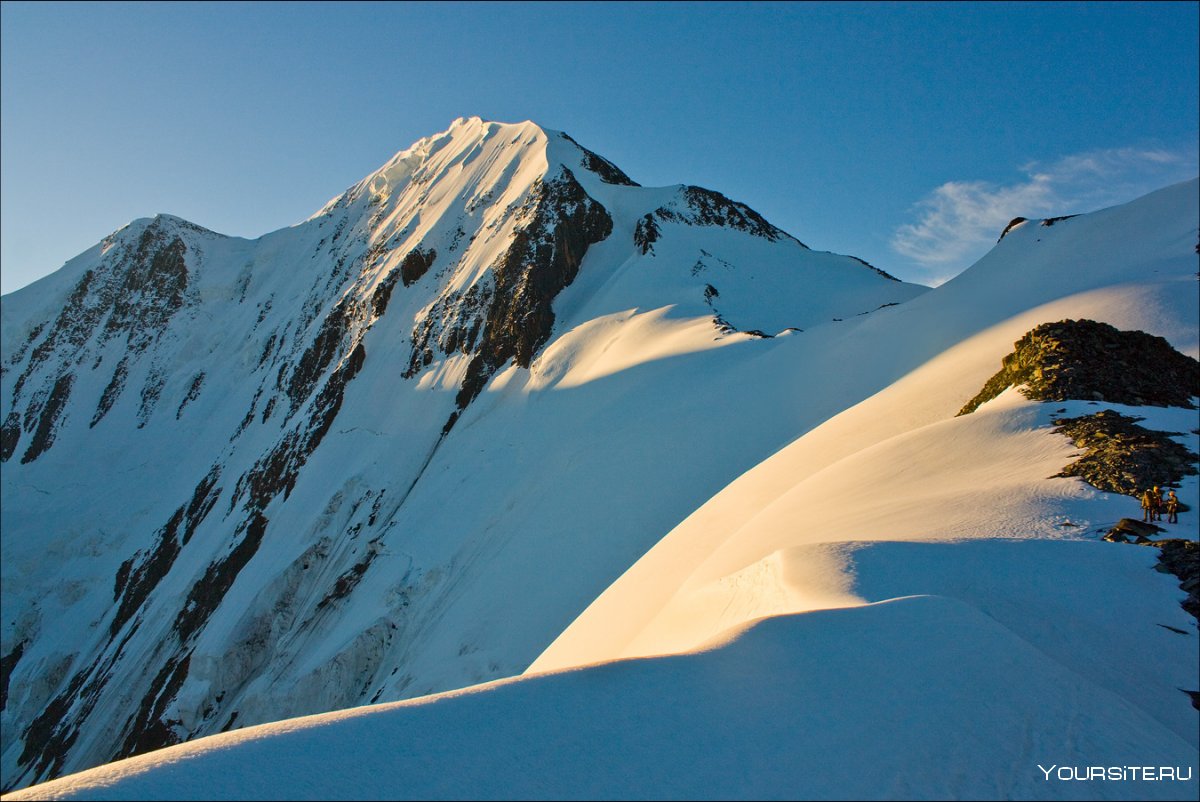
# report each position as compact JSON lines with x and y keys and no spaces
{"x":960,"y":220}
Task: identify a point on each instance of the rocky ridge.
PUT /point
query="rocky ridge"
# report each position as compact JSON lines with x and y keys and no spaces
{"x":1087,"y":360}
{"x":1122,"y":457}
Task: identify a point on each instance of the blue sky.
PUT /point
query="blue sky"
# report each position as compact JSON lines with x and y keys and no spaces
{"x":905,"y":134}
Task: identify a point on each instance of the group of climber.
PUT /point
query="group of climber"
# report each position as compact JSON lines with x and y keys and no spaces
{"x":1153,"y":504}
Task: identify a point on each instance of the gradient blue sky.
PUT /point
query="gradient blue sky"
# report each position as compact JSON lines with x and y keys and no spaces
{"x":905,"y":134}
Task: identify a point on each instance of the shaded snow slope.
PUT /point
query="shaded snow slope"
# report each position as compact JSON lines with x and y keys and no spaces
{"x":801,"y":707}
{"x":392,"y":450}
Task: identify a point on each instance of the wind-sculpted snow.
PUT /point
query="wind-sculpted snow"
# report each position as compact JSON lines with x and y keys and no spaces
{"x":829,"y":705}
{"x":251,"y":479}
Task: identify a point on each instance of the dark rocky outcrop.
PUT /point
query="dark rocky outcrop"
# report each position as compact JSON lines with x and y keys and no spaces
{"x":542,"y":260}
{"x":19,"y":354}
{"x":151,"y":392}
{"x":192,"y":394}
{"x":71,"y":330}
{"x":136,"y":578}
{"x":135,"y":292}
{"x":146,"y":728}
{"x":645,"y":234}
{"x":216,"y":580}
{"x":416,"y":264}
{"x":511,"y":317}
{"x":452,"y":326}
{"x":140,"y":574}
{"x":381,"y":296}
{"x":112,"y":390}
{"x":1122,"y":457}
{"x":151,"y":289}
{"x":1086,"y":360}
{"x":324,"y":348}
{"x":1181,"y":558}
{"x":149,"y":728}
{"x":882,"y":273}
{"x":1130,"y":530}
{"x":51,"y":734}
{"x":349,"y":579}
{"x":1016,"y":221}
{"x":48,"y":420}
{"x":7,"y":663}
{"x":277,"y":471}
{"x":705,"y":207}
{"x":609,"y":173}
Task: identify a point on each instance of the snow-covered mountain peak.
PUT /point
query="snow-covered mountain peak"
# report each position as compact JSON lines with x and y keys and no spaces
{"x":297,"y":402}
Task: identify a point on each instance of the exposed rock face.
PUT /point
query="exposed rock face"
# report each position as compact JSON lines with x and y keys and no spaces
{"x":1049,"y":221}
{"x":609,"y":173}
{"x":1123,"y":457}
{"x":416,"y":264}
{"x":883,"y":273}
{"x":1086,"y":360}
{"x":47,"y":420}
{"x":140,"y":286}
{"x":1127,"y":528}
{"x":1016,"y":221}
{"x":698,"y":206}
{"x":511,"y":316}
{"x":1182,"y":558}
{"x":645,"y":234}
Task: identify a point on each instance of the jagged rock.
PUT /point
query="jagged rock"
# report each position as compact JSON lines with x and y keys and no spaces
{"x":416,"y":264}
{"x":140,"y":286}
{"x":645,"y":234}
{"x":7,"y":663}
{"x":705,"y":207}
{"x":1016,"y":221}
{"x":1049,"y":221}
{"x":542,"y":260}
{"x":1129,"y":526}
{"x":609,"y":173}
{"x":1083,"y":359}
{"x":48,"y":418}
{"x":1182,"y":559}
{"x":883,"y":273}
{"x":1122,"y":457}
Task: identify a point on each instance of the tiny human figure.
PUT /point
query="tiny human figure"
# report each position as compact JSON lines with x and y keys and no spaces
{"x":1172,"y":508}
{"x":1147,"y":505}
{"x":1156,"y":504}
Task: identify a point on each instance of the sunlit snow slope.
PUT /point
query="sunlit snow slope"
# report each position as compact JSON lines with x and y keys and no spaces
{"x":899,"y":465}
{"x":819,"y":524}
{"x":392,"y":450}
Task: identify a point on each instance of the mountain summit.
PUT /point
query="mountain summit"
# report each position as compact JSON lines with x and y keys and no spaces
{"x":391,"y":450}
